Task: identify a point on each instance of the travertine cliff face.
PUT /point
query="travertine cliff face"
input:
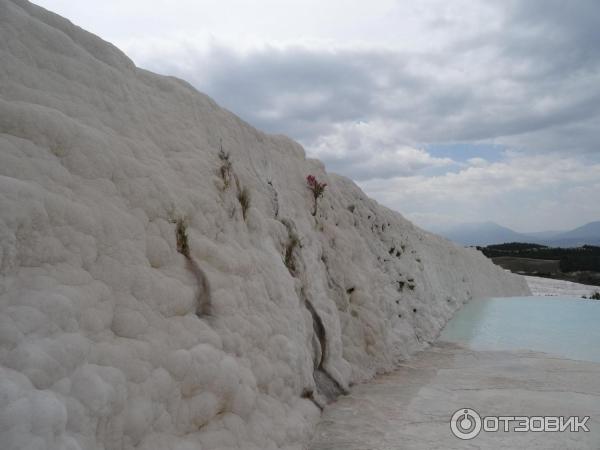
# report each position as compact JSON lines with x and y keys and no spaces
{"x":145,"y":302}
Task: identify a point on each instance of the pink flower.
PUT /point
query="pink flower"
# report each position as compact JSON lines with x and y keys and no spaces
{"x":317,"y":190}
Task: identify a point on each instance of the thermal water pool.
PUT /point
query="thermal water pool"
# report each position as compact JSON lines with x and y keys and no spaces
{"x":564,"y":326}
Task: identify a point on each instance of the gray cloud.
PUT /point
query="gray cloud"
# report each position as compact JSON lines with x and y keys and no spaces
{"x":564,"y":36}
{"x":538,"y":75}
{"x":298,"y":91}
{"x":519,"y":75}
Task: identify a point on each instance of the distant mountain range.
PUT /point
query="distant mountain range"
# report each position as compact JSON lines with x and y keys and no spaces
{"x":488,"y":233}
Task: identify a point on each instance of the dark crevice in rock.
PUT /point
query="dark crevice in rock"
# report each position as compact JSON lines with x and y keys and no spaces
{"x":203,"y":302}
{"x":274,"y":198}
{"x":319,"y":330}
{"x":327,"y":387}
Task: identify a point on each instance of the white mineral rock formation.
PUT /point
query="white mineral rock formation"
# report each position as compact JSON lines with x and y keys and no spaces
{"x":551,"y":287}
{"x":113,"y":335}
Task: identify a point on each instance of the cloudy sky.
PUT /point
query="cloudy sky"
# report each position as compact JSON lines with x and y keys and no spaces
{"x":448,"y":112}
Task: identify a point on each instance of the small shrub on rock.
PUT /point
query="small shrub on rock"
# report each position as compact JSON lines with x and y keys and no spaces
{"x":225,"y":169}
{"x":244,"y":199}
{"x":317,"y":188}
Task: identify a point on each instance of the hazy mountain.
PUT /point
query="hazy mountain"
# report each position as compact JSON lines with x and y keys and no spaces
{"x":488,"y":233}
{"x":585,"y":234}
{"x":550,"y":234}
{"x":483,"y":233}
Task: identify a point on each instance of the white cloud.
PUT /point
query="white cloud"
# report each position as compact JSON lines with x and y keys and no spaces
{"x":368,"y":150}
{"x":523,"y":191}
{"x":387,"y":23}
{"x":477,"y":162}
{"x":367,"y":86}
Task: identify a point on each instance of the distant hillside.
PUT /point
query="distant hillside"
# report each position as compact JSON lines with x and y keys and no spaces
{"x":483,"y":233}
{"x":588,"y":234}
{"x":490,"y":233}
{"x":580,"y":264}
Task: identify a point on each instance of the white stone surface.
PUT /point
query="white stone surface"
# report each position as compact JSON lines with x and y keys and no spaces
{"x":551,"y":287}
{"x":101,"y":346}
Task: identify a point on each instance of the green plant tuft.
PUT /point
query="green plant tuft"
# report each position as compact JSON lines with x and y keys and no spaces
{"x":182,"y":238}
{"x":244,"y":199}
{"x":226,"y":167}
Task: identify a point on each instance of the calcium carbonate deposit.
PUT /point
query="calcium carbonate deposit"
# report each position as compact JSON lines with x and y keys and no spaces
{"x":164,"y":282}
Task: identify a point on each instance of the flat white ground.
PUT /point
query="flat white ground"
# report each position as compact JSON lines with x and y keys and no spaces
{"x":549,"y":286}
{"x":411,"y":407}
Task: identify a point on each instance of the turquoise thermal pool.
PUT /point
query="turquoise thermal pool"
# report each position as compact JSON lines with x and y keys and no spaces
{"x":563,"y":326}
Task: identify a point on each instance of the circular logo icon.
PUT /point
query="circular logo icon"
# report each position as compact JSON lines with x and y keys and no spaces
{"x":465,"y":423}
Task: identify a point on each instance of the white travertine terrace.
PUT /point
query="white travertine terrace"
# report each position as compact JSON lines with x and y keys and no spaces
{"x":551,"y":287}
{"x":112,"y":339}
